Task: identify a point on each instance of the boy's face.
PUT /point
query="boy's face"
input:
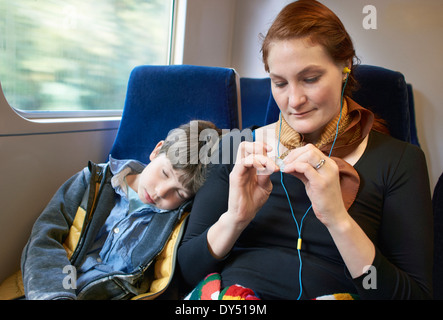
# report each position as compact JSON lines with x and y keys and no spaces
{"x":158,"y":184}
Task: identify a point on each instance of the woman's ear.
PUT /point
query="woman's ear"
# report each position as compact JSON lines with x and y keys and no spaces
{"x":156,"y":150}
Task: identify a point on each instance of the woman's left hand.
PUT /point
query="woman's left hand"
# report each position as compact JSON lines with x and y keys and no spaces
{"x":320,"y":175}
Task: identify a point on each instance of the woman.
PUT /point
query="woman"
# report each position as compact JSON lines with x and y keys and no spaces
{"x":352,"y":211}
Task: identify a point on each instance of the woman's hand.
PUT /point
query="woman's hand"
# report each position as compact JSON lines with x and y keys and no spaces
{"x":249,"y":188}
{"x":322,"y":182}
{"x":320,"y":175}
{"x":249,"y":181}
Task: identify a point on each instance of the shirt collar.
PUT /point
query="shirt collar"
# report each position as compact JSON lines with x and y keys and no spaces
{"x":120,"y":169}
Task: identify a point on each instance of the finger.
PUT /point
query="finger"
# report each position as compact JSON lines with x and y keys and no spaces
{"x":246,"y":148}
{"x":306,"y":172}
{"x":308,"y":154}
{"x":260,"y":162}
{"x":245,"y":164}
{"x":301,"y":152}
{"x":298,"y":169}
{"x":269,"y":165}
{"x":264,"y":181}
{"x":262,"y":165}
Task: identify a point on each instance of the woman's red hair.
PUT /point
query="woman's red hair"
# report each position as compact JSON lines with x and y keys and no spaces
{"x":309,"y":19}
{"x":313,"y":20}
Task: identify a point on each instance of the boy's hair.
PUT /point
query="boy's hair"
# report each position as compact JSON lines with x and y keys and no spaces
{"x":189,"y":148}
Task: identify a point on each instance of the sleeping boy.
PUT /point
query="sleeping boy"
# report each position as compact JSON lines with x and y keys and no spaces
{"x":103,"y":228}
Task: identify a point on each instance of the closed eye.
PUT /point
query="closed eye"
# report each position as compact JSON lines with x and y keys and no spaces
{"x":278,"y":81}
{"x":311,"y":79}
{"x":280,"y":84}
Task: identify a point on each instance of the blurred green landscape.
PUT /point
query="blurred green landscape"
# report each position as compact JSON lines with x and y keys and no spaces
{"x":75,"y":54}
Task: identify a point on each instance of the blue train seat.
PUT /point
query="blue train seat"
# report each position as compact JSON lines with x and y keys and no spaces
{"x":160,"y":98}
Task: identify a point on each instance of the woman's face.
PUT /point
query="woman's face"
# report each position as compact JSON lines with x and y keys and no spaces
{"x":306,"y":85}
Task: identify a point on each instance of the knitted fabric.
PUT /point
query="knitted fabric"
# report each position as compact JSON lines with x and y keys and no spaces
{"x":210,"y":289}
{"x":338,"y":296}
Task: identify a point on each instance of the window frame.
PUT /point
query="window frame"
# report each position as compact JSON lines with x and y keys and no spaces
{"x":48,"y":116}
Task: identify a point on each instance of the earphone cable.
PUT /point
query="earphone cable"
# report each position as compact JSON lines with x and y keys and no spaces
{"x":299,"y":227}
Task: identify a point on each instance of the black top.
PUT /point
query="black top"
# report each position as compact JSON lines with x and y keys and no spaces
{"x":393,"y":207}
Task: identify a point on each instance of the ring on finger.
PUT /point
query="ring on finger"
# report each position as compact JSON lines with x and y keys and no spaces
{"x":319,"y":164}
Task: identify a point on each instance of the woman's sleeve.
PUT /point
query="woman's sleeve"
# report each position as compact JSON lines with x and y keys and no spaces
{"x":211,"y":201}
{"x":402,"y":268}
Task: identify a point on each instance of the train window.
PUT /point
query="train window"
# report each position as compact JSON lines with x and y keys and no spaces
{"x":71,"y":55}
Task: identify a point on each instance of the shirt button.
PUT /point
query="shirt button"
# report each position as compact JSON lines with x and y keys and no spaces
{"x":99,"y":260}
{"x":116,"y":230}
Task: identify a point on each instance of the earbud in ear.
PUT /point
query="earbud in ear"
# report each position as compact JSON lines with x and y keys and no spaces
{"x":346,"y":70}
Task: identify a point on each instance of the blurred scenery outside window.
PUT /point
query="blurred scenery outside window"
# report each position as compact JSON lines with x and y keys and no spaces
{"x":75,"y":55}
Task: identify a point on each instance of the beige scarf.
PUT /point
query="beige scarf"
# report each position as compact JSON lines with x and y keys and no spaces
{"x":355,"y":124}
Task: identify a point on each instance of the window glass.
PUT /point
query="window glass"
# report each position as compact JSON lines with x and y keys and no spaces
{"x":75,"y":55}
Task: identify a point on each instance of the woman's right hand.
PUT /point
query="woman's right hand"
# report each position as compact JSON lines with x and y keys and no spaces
{"x":249,"y":188}
{"x":249,"y":182}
